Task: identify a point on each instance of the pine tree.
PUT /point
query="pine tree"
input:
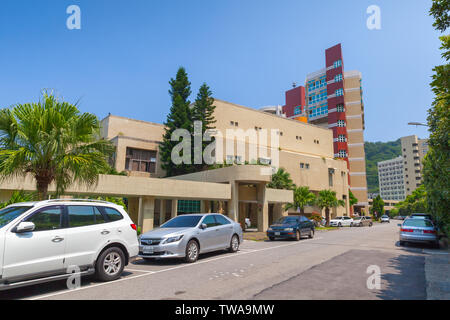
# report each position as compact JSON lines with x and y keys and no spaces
{"x":203,"y":110}
{"x":179,"y":117}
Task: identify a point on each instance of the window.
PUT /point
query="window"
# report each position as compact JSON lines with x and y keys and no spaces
{"x":342,"y":138}
{"x":339,"y":92}
{"x":341,"y":123}
{"x":9,"y":214}
{"x":221,"y":220}
{"x":302,"y":165}
{"x":307,"y":166}
{"x":337,"y":64}
{"x":112,"y":214}
{"x":330,"y":178}
{"x":140,"y":160}
{"x":48,"y":218}
{"x":298,"y":110}
{"x":340,"y":108}
{"x":342,"y":154}
{"x":232,"y":123}
{"x":209,"y":221}
{"x":84,"y":216}
{"x":338,"y":78}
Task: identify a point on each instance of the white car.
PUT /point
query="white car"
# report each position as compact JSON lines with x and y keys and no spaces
{"x":341,"y":222}
{"x":248,"y":223}
{"x":49,"y":240}
{"x":385,"y":218}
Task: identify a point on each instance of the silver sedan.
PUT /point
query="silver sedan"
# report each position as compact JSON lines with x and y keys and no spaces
{"x":419,"y":231}
{"x":187,"y":236}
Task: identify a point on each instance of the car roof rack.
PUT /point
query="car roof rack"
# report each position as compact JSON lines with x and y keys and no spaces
{"x":76,"y":200}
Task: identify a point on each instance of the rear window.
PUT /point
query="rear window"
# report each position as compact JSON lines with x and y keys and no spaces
{"x":112,"y":214}
{"x":418,"y":223}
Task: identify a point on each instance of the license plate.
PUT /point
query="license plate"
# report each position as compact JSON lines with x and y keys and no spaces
{"x":147,"y":249}
{"x":277,"y":233}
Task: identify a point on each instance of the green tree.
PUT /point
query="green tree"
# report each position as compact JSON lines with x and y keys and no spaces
{"x":54,"y":142}
{"x":203,"y":110}
{"x":16,"y":197}
{"x":440,"y":11}
{"x":179,"y":117}
{"x":414,"y":203}
{"x":352,"y":199}
{"x":281,"y":180}
{"x":436,"y":165}
{"x":377,"y":208}
{"x":302,"y":197}
{"x":327,"y":200}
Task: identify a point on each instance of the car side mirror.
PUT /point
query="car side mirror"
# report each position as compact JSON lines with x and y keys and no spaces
{"x":203,"y":226}
{"x":25,"y":227}
{"x":399,"y":224}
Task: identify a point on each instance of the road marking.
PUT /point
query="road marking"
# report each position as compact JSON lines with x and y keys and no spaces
{"x":136,"y":270}
{"x":237,"y":254}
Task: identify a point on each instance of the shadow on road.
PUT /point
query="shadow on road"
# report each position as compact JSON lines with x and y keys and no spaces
{"x":405,"y":279}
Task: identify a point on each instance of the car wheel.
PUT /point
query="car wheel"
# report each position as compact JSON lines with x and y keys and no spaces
{"x":271,"y":238}
{"x":110,"y":264}
{"x":311,"y":233}
{"x":370,"y":224}
{"x":192,"y":251}
{"x":234,"y":244}
{"x":339,"y":225}
{"x":351,"y":224}
{"x":297,"y":236}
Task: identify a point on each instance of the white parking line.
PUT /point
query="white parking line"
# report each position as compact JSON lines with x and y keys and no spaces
{"x":147,"y":273}
{"x":136,"y":270}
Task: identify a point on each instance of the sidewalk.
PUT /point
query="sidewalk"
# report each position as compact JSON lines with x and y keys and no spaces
{"x":437,"y":275}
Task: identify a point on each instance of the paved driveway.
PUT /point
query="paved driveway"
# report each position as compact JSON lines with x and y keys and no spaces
{"x":333,"y":265}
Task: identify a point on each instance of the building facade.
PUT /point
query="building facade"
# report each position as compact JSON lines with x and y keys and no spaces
{"x":413,"y":152}
{"x":333,"y":98}
{"x":391,"y":179}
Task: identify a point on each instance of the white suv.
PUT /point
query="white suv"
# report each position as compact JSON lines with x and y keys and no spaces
{"x":49,"y":240}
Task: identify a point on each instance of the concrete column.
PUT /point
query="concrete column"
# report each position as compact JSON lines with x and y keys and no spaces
{"x":242,"y":214}
{"x":162,"y":211}
{"x":263,"y":208}
{"x":174,"y":211}
{"x":133,"y":209}
{"x":140,"y":211}
{"x":202,"y":206}
{"x":278,"y":211}
{"x":233,"y":204}
{"x":148,"y":214}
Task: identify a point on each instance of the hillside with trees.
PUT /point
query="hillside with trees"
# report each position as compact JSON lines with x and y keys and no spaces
{"x":376,"y":152}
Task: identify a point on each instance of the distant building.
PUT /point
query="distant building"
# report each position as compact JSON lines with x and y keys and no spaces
{"x":391,"y":179}
{"x":413,"y":152}
{"x":399,"y":177}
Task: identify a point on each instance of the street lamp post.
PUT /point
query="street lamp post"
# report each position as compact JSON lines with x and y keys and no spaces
{"x":417,"y":124}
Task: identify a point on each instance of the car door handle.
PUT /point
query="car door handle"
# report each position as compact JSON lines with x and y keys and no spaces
{"x":105,"y":232}
{"x":57,"y":239}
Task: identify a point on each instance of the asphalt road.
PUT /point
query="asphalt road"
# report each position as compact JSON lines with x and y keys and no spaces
{"x":333,"y":265}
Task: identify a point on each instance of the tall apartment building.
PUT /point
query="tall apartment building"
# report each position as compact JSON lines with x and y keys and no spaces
{"x":399,"y":177}
{"x":333,"y":98}
{"x":413,"y":152}
{"x":391,"y":179}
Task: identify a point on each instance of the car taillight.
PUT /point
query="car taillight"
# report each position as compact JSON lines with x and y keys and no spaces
{"x":407,"y":230}
{"x":133,"y":226}
{"x":429,"y":231}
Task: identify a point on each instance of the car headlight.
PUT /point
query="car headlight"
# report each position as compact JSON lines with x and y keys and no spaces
{"x":172,"y":239}
{"x":288,"y":229}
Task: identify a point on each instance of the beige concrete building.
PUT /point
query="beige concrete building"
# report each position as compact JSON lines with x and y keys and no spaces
{"x":413,"y":152}
{"x":239,"y":191}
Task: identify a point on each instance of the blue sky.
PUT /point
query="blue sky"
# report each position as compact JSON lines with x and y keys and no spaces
{"x":248,"y":51}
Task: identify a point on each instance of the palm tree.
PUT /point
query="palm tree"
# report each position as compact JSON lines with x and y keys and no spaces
{"x":54,"y":142}
{"x":281,"y":180}
{"x":302,"y":198}
{"x":326,"y":200}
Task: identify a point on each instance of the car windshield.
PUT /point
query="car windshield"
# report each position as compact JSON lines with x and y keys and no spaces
{"x":357,"y":218}
{"x":417,"y":223}
{"x":9,"y":214}
{"x":287,"y":220}
{"x":384,"y":216}
{"x":182,"y":222}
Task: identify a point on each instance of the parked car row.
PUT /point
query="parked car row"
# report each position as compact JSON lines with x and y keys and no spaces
{"x":41,"y":241}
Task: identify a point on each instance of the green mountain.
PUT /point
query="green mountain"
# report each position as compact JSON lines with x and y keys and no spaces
{"x":376,"y":152}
